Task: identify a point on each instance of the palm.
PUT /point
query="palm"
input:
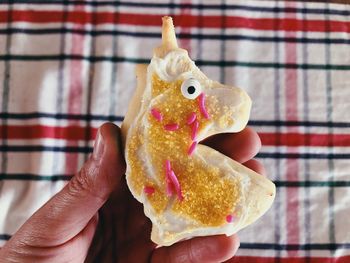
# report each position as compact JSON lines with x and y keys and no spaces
{"x":122,"y":229}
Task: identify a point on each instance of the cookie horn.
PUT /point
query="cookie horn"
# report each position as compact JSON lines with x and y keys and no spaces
{"x":169,"y":42}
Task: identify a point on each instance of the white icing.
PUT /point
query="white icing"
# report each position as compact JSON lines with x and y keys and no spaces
{"x":170,"y":227}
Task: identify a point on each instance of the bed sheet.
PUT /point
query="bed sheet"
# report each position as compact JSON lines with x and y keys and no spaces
{"x":66,"y":67}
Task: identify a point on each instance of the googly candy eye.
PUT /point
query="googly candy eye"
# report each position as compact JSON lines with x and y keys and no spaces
{"x":191,"y":88}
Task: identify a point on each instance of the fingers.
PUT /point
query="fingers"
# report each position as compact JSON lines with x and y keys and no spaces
{"x":201,"y":249}
{"x":69,"y":211}
{"x":241,"y":146}
{"x":256,"y":166}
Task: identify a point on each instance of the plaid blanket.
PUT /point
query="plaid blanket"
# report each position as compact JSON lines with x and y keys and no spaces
{"x":67,"y":66}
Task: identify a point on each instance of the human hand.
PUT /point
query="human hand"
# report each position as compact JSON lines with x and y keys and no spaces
{"x":94,"y":218}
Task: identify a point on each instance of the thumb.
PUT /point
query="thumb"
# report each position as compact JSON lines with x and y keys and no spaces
{"x":69,"y":211}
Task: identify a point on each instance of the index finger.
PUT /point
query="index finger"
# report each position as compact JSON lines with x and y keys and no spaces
{"x":241,"y":146}
{"x":201,"y":249}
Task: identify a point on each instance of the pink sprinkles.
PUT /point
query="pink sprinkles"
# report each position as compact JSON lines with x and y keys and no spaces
{"x":172,"y":180}
{"x":195,"y":126}
{"x":149,"y":190}
{"x":157,"y":114}
{"x":191,"y":118}
{"x":201,"y":102}
{"x":167,"y":166}
{"x":229,"y":218}
{"x":192,"y":148}
{"x":171,"y":127}
{"x":169,"y":189}
{"x":176,"y":184}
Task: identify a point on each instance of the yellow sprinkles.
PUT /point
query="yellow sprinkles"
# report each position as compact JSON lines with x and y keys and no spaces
{"x":208,"y":195}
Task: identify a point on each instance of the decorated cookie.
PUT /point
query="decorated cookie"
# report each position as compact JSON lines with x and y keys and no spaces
{"x":188,"y":189}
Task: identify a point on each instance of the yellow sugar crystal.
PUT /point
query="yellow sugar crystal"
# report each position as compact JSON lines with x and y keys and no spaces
{"x":208,"y":195}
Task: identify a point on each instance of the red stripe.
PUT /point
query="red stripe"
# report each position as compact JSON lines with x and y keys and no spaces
{"x":73,"y":133}
{"x":186,"y":20}
{"x":76,"y":132}
{"x":243,"y":259}
{"x":292,"y":165}
{"x":298,"y":139}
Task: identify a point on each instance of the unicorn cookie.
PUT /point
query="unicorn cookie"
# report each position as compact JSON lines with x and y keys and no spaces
{"x":188,"y":189}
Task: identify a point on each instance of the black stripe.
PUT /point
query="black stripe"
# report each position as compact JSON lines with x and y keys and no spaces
{"x":204,"y":36}
{"x":194,"y":6}
{"x":309,"y":184}
{"x":87,"y":149}
{"x":270,"y":123}
{"x":299,"y":123}
{"x":90,"y":59}
{"x":35,"y":177}
{"x":278,"y":155}
{"x":96,"y":59}
{"x":316,"y":246}
{"x":59,"y":116}
{"x":42,"y":148}
{"x":4,"y":237}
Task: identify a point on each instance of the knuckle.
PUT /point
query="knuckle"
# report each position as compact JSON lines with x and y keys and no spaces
{"x":80,"y":183}
{"x":84,"y":182}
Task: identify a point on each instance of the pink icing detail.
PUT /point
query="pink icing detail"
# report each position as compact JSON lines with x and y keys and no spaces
{"x":171,"y":127}
{"x":167,"y":166}
{"x":201,"y":102}
{"x":157,"y":114}
{"x":191,"y":118}
{"x":229,"y":218}
{"x":195,"y":126}
{"x":176,"y":184}
{"x":192,"y":148}
{"x":149,"y":190}
{"x":171,"y":180}
{"x":169,"y":189}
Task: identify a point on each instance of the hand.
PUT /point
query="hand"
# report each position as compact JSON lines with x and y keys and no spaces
{"x":94,"y":218}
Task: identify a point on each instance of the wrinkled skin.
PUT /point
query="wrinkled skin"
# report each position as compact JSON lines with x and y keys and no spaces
{"x":96,"y":219}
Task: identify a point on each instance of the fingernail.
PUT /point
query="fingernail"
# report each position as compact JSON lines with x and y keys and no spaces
{"x":98,"y":146}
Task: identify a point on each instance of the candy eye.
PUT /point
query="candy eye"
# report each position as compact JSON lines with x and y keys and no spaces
{"x":191,"y":89}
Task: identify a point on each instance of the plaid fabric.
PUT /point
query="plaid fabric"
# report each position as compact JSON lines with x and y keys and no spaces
{"x":67,"y":66}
